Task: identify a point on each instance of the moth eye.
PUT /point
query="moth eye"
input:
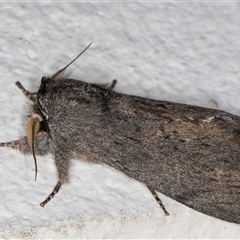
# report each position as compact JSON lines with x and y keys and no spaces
{"x":43,"y":126}
{"x":44,"y":80}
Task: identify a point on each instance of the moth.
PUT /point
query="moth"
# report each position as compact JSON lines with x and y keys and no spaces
{"x":189,"y":153}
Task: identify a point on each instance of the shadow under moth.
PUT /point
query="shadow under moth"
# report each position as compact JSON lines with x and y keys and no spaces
{"x":189,"y":153}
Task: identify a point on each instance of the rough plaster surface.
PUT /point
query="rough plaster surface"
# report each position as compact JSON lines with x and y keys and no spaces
{"x":186,"y":52}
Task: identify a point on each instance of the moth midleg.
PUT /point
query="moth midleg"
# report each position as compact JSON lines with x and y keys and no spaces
{"x":158,"y":200}
{"x":30,"y":96}
{"x":53,"y":193}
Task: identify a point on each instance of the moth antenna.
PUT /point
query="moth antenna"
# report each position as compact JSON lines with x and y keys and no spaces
{"x":61,"y":72}
{"x":32,"y":130}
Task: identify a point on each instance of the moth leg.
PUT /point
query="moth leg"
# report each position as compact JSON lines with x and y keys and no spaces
{"x":55,"y":191}
{"x":62,"y":164}
{"x":112,"y":85}
{"x":42,"y":144}
{"x":158,"y":200}
{"x":109,"y":86}
{"x":30,"y":96}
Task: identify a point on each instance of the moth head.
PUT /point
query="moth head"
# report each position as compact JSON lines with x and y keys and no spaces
{"x":44,"y":93}
{"x":38,"y":121}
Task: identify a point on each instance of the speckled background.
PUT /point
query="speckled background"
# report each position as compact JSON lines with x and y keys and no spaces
{"x":184,"y":51}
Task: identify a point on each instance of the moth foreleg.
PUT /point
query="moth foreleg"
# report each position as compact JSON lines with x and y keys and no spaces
{"x":30,"y":96}
{"x":62,"y":163}
{"x":55,"y":191}
{"x":158,"y":200}
{"x":42,"y":144}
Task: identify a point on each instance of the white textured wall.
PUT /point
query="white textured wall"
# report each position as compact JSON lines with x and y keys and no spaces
{"x":185,"y":52}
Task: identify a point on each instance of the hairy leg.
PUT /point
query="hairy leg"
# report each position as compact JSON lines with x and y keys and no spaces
{"x":158,"y":200}
{"x":62,"y":163}
{"x":42,"y":144}
{"x":30,"y":96}
{"x":55,"y":191}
